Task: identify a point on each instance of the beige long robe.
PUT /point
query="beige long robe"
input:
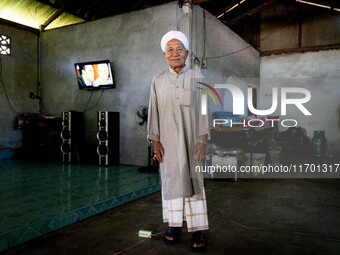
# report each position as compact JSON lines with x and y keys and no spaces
{"x":176,"y":121}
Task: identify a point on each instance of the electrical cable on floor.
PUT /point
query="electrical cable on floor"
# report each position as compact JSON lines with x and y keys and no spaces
{"x":120,"y":252}
{"x":246,"y":227}
{"x":277,"y":230}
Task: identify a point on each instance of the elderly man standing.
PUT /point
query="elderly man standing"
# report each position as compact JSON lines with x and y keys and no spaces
{"x":179,"y":132}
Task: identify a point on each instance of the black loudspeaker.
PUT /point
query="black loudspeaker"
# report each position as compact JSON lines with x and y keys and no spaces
{"x":72,"y":135}
{"x":108,"y":138}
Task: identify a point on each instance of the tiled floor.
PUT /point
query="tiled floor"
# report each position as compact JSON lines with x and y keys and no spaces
{"x":250,"y":216}
{"x":37,"y":198}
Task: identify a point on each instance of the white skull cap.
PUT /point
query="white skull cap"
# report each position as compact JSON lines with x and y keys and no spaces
{"x":174,"y":35}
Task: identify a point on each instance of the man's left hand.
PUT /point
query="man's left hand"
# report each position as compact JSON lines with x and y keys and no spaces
{"x":200,"y":152}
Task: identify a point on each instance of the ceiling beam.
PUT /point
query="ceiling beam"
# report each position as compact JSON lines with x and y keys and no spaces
{"x":60,"y":11}
{"x":322,"y":3}
{"x":247,"y":8}
{"x":52,"y":18}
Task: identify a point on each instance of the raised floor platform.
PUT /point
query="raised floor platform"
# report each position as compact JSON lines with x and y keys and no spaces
{"x":37,"y":198}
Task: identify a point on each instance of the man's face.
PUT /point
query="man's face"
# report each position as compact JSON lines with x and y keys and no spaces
{"x":103,"y":71}
{"x":88,"y":73}
{"x":176,"y":54}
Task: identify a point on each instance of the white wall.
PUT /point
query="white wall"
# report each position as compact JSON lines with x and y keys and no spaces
{"x":318,"y":72}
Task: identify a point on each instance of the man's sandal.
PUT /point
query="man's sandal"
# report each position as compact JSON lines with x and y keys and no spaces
{"x":171,"y":235}
{"x":199,"y":241}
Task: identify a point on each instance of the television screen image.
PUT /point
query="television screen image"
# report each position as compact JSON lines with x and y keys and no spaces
{"x":94,"y":75}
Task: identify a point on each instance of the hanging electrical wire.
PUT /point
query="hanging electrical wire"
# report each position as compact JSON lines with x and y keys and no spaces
{"x":93,"y":106}
{"x":5,"y":90}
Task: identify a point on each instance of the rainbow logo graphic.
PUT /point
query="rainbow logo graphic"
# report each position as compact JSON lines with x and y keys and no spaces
{"x":209,"y":91}
{"x":210,"y":94}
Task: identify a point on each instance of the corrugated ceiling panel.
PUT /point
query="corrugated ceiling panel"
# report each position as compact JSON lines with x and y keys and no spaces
{"x":33,"y":14}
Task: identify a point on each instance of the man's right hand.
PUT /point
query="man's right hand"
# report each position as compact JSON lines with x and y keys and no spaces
{"x":158,"y":151}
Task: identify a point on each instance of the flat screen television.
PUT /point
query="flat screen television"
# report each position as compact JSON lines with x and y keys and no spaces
{"x":94,"y":75}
